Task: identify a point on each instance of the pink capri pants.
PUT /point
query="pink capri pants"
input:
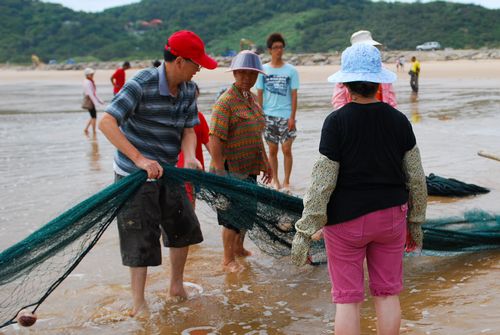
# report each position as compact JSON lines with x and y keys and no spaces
{"x":380,"y":237}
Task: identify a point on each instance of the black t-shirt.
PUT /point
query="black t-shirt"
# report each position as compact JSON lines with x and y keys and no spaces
{"x":369,"y":142}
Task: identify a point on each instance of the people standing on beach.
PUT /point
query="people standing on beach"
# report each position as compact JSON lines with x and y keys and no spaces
{"x":385,"y":93}
{"x":237,"y":147}
{"x":367,"y":188}
{"x":414,"y":74}
{"x":277,"y":94}
{"x":202,"y":136}
{"x":90,"y":99}
{"x":149,"y":121}
{"x":118,"y":77}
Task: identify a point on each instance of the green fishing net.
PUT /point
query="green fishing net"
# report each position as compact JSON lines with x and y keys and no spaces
{"x":31,"y":269}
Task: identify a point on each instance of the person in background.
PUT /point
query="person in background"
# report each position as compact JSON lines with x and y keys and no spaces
{"x":118,"y":78}
{"x":414,"y":74}
{"x":385,"y":93}
{"x":201,"y":130}
{"x":368,"y":187}
{"x":156,"y":63}
{"x":277,"y":94}
{"x":90,"y":99}
{"x":237,"y":147}
{"x":149,"y":121}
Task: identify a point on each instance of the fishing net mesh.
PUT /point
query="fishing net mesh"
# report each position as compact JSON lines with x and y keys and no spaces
{"x":31,"y":269}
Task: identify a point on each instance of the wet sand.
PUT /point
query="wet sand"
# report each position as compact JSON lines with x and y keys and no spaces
{"x":47,"y":165}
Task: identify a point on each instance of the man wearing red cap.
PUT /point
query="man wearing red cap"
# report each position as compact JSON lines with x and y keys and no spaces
{"x":148,"y":121}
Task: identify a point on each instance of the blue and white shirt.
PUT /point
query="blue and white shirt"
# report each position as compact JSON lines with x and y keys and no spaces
{"x":277,"y":85}
{"x":151,"y":118}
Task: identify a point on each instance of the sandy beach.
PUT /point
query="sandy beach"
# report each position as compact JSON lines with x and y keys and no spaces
{"x":47,"y":165}
{"x":314,"y":73}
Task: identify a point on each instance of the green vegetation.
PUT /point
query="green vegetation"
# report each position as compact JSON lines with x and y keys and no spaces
{"x":54,"y":32}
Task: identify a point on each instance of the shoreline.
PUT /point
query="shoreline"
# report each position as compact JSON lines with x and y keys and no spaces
{"x":456,"y":69}
{"x":297,"y":59}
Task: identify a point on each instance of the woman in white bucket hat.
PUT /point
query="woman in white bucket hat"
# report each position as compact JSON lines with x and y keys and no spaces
{"x":385,"y":93}
{"x":237,"y":147}
{"x":366,"y":182}
{"x":90,"y":99}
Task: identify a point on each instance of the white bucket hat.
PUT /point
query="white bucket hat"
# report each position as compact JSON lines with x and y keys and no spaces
{"x":362,"y":62}
{"x":363,"y":36}
{"x":88,"y":71}
{"x":246,"y":60}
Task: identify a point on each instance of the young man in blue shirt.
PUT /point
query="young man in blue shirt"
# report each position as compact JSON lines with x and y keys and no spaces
{"x":277,"y":94}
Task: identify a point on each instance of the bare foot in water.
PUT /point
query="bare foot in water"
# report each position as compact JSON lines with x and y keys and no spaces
{"x":232,"y":266}
{"x":276,"y":185}
{"x":177,"y":292}
{"x":140,"y":310}
{"x":243,"y":253}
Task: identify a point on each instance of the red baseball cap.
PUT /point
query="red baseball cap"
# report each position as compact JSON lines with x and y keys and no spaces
{"x":186,"y":44}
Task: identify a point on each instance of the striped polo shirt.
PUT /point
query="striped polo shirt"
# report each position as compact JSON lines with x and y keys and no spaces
{"x":239,"y":123}
{"x":151,"y":118}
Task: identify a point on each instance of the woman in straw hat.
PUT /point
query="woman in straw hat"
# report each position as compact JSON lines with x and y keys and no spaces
{"x":367,"y":187}
{"x":385,"y":93}
{"x":237,"y":147}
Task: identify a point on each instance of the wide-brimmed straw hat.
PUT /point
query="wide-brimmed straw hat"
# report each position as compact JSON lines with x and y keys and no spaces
{"x":247,"y":60}
{"x":88,"y":71}
{"x":363,"y":36}
{"x":362,"y":62}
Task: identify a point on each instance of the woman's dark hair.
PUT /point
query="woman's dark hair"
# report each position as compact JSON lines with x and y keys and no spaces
{"x":168,"y":56}
{"x":274,"y":37}
{"x":366,"y":89}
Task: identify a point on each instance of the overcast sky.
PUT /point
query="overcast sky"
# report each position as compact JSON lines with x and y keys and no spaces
{"x":99,"y":5}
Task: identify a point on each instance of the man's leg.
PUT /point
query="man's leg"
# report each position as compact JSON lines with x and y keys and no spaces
{"x":239,"y":249}
{"x":347,"y":320}
{"x":178,"y":258}
{"x":286,"y":147}
{"x":388,"y":314}
{"x":273,"y":161}
{"x":138,"y":284}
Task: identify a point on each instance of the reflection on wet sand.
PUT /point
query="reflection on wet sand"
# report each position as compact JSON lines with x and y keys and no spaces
{"x":414,"y":108}
{"x":93,"y":152}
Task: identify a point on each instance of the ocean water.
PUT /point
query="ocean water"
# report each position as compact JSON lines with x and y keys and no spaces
{"x":48,"y":165}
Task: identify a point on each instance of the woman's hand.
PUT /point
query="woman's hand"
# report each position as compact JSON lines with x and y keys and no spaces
{"x":267,"y":175}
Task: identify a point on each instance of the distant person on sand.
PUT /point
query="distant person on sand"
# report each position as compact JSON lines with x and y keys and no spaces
{"x":385,"y":93}
{"x":148,"y":121}
{"x":90,"y":99}
{"x":156,"y":63}
{"x":237,"y":147}
{"x":400,"y":63}
{"x":118,"y":78}
{"x":368,"y":189}
{"x":414,"y":74}
{"x":277,"y":94}
{"x":202,"y":136}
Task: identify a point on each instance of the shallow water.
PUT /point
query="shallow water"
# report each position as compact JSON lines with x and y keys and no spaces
{"x":47,"y":165}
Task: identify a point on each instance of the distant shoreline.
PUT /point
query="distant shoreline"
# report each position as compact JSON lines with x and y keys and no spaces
{"x":306,"y":59}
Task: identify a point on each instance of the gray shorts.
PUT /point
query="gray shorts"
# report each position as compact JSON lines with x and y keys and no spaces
{"x":157,"y":209}
{"x":277,"y":130}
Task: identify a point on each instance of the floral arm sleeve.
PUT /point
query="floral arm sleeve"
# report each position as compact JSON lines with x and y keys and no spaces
{"x":415,"y":180}
{"x":323,"y":181}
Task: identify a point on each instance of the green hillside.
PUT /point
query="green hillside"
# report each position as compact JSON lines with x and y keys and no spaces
{"x":54,"y":32}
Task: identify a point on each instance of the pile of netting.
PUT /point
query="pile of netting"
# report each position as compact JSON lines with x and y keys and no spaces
{"x":31,"y":269}
{"x":449,"y":187}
